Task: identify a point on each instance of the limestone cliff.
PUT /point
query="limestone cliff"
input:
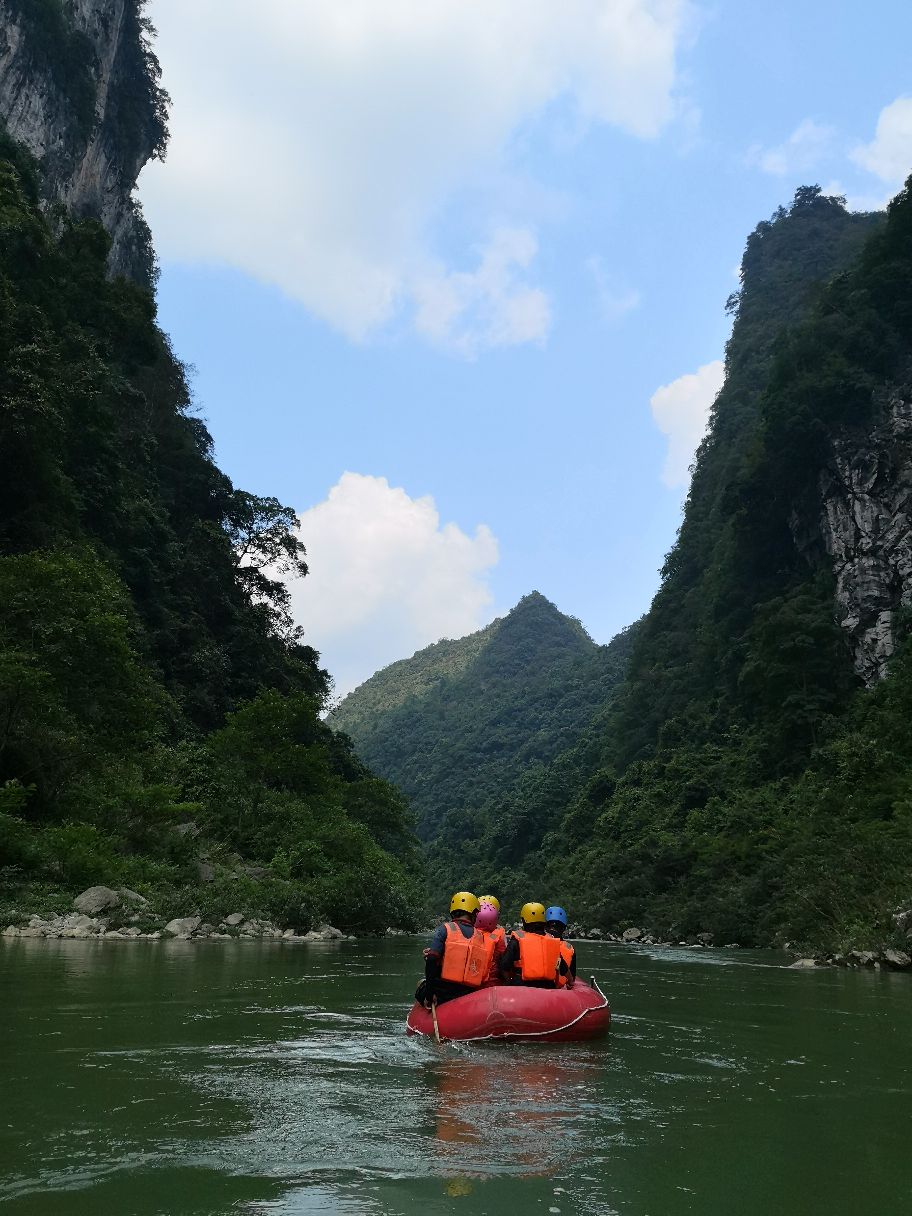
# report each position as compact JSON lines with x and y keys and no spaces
{"x":79,"y":88}
{"x":866,"y":527}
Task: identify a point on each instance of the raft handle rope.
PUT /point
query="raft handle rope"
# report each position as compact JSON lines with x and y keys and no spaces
{"x":529,"y":1034}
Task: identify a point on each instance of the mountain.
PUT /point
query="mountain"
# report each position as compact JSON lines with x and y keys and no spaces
{"x":753,"y":776}
{"x":460,"y":721}
{"x":160,"y":719}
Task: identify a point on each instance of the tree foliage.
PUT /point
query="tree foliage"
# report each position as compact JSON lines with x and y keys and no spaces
{"x":156,"y":701}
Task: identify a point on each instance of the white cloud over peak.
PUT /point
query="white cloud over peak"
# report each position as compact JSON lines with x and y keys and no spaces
{"x":316,"y":145}
{"x":807,"y":145}
{"x":386,"y":578}
{"x":681,"y":410}
{"x":889,"y":154}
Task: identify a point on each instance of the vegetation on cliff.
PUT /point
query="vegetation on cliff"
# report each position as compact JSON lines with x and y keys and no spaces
{"x":743,"y":781}
{"x":156,"y":702}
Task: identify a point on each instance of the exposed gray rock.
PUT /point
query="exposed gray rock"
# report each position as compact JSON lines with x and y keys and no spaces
{"x":289,"y":934}
{"x":632,"y":935}
{"x":11,"y":931}
{"x":205,"y":871}
{"x":133,"y":899}
{"x":95,"y":900}
{"x":330,"y":934}
{"x":803,"y":963}
{"x":89,"y":166}
{"x":236,"y":918}
{"x":866,"y":528}
{"x":898,"y":959}
{"x":183,"y":926}
{"x":861,"y":958}
{"x":595,"y":934}
{"x":705,"y":939}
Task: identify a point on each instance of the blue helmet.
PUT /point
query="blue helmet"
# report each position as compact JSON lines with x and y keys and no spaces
{"x":556,"y":914}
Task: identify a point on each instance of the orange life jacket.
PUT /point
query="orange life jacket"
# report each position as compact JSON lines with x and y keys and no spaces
{"x":539,"y":955}
{"x":466,"y":960}
{"x":499,"y":937}
{"x":566,"y":953}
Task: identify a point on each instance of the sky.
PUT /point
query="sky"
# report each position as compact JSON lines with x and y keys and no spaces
{"x":451,"y":276}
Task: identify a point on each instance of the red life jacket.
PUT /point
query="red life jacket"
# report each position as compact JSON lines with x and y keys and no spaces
{"x":466,"y":960}
{"x":539,"y":955}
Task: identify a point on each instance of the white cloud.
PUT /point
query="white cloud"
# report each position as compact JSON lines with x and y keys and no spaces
{"x":889,"y":154}
{"x":316,"y":145}
{"x":491,"y":306}
{"x":681,"y":410}
{"x":856,"y":201}
{"x":614,"y":300}
{"x":807,"y":145}
{"x":386,"y":578}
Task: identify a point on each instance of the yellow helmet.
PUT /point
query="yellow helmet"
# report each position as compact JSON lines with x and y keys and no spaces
{"x":490,"y":899}
{"x":465,"y":901}
{"x":532,"y":914}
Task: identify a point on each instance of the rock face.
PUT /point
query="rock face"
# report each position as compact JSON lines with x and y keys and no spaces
{"x":866,"y":527}
{"x":79,"y":88}
{"x":95,"y":900}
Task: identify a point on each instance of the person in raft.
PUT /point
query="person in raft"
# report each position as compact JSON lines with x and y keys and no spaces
{"x":459,"y":957}
{"x":486,"y":922}
{"x":532,"y":956}
{"x":556,"y":926}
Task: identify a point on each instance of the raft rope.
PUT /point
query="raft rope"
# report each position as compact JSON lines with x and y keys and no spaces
{"x":529,"y":1034}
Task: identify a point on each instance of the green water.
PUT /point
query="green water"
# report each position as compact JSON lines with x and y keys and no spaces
{"x":192,"y":1078}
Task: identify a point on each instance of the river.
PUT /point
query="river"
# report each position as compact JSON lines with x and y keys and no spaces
{"x":195,"y":1079}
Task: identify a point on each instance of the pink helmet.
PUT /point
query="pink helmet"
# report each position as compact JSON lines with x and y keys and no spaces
{"x":486,"y":918}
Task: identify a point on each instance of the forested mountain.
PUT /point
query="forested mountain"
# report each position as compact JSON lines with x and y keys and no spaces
{"x":159,"y":712}
{"x":753,"y":777}
{"x":459,"y":722}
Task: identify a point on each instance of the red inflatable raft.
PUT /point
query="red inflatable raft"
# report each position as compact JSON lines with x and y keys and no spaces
{"x":511,"y":1011}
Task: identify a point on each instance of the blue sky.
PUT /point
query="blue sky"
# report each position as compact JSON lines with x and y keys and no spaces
{"x":455,"y":250}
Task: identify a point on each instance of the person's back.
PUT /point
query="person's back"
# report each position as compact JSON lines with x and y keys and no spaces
{"x":458,"y":957}
{"x":556,"y":927}
{"x":486,"y":922}
{"x":532,"y":957}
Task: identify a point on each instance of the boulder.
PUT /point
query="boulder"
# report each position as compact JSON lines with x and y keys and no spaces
{"x":861,"y":958}
{"x":312,"y":936}
{"x":705,"y":939}
{"x":249,"y":928}
{"x":11,"y":931}
{"x":595,"y":935}
{"x":632,"y":935}
{"x":289,"y":934}
{"x":32,"y":931}
{"x":205,"y":871}
{"x":329,"y":934}
{"x":802,"y":964}
{"x":95,"y":900}
{"x":133,"y":899}
{"x":236,"y":918}
{"x":257,"y":873}
{"x":897,"y":959}
{"x":183,"y":926}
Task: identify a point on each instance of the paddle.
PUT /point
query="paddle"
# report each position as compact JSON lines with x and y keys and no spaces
{"x":434,"y":1016}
